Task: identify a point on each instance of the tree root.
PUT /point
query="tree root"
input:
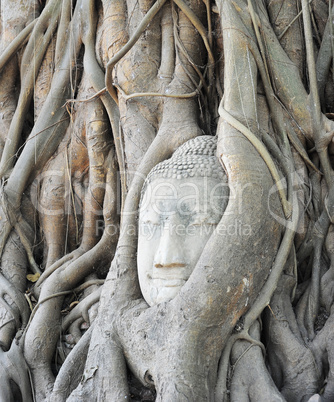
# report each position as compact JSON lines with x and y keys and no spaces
{"x":323,"y":350}
{"x":16,"y":44}
{"x":75,"y":331}
{"x":28,"y":80}
{"x":13,"y":369}
{"x":325,"y":56}
{"x":293,"y":366}
{"x":132,"y":41}
{"x":71,"y":371}
{"x":62,"y":262}
{"x":198,"y":25}
{"x":81,"y":310}
{"x":144,"y":94}
{"x":51,"y":300}
{"x":7,"y":288}
{"x":263,"y":152}
{"x":250,"y":378}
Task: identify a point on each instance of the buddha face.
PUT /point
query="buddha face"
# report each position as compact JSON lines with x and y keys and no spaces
{"x":176,"y":219}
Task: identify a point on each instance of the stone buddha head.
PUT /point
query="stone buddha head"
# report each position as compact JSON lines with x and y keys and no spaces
{"x":183,"y":200}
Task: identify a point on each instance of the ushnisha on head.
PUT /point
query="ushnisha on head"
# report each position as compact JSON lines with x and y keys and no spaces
{"x":195,"y":158}
{"x":183,"y":200}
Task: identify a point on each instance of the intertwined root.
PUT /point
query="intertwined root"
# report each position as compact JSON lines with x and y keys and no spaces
{"x":58,"y":130}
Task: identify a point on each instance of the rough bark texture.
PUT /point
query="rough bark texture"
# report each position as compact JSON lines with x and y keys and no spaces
{"x":93,"y":95}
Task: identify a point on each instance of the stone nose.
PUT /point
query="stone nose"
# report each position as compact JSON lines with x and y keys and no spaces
{"x":170,"y":253}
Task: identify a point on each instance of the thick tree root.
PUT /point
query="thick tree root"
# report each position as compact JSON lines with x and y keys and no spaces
{"x":71,"y":371}
{"x":292,"y":363}
{"x":15,"y":376}
{"x":251,"y":380}
{"x":81,"y":310}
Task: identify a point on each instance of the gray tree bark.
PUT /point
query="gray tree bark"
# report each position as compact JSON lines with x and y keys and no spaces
{"x":93,"y":96}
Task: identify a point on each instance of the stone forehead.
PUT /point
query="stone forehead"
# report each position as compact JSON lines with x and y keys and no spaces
{"x":196,"y":157}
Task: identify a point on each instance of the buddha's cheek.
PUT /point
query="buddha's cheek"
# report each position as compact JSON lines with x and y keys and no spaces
{"x":144,"y":266}
{"x":146,"y":287}
{"x":193,"y":246}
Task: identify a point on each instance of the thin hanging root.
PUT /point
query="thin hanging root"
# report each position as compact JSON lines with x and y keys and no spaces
{"x":263,"y":152}
{"x":10,"y":310}
{"x":290,"y":24}
{"x":67,"y":292}
{"x":141,"y":28}
{"x":281,"y":257}
{"x":211,"y":67}
{"x":65,"y":19}
{"x":27,"y":246}
{"x":15,"y":45}
{"x":72,"y":195}
{"x":21,"y":227}
{"x":50,"y":12}
{"x":208,"y":14}
{"x":7,"y":288}
{"x":198,"y":25}
{"x":256,"y":23}
{"x":315,"y":27}
{"x":243,"y":354}
{"x":71,"y":366}
{"x":29,"y":301}
{"x":313,"y":299}
{"x":270,"y":95}
{"x":28,"y":80}
{"x":132,"y":41}
{"x":142,"y":94}
{"x":81,"y":309}
{"x":98,"y":94}
{"x":181,"y":47}
{"x":330,"y":17}
{"x":295,"y":141}
{"x":310,"y":61}
{"x":314,"y":101}
{"x":36,"y":153}
{"x":263,"y":300}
